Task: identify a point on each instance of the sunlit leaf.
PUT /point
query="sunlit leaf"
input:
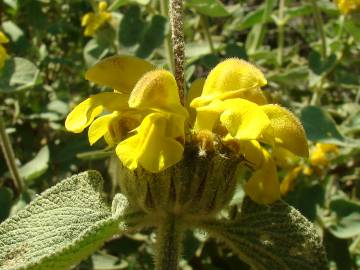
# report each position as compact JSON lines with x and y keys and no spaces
{"x":319,"y":125}
{"x":18,"y":74}
{"x":347,"y":214}
{"x":60,"y":227}
{"x":37,"y":166}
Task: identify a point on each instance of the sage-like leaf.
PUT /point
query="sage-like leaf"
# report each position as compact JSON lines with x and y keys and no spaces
{"x":275,"y":237}
{"x":62,"y":226}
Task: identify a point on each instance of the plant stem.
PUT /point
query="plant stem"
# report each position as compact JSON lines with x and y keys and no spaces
{"x":261,"y":27}
{"x":281,"y":27}
{"x":167,"y":42}
{"x":168,"y":244}
{"x":205,"y":26}
{"x":10,"y":157}
{"x":318,"y":92}
{"x":178,"y":43}
{"x":320,"y":25}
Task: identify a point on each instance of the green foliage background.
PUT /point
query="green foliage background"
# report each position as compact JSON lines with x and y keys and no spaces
{"x":43,"y":79}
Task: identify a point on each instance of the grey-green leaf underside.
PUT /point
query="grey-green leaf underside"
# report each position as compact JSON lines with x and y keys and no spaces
{"x":62,"y":226}
{"x":275,"y":237}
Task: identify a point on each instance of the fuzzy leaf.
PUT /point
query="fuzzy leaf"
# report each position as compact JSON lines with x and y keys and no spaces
{"x":275,"y":237}
{"x":62,"y":226}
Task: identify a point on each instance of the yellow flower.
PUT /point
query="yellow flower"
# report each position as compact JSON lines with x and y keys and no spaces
{"x":348,"y":6}
{"x":319,"y":158}
{"x":145,"y":119}
{"x":93,"y":21}
{"x":320,"y":155}
{"x":3,"y":53}
{"x":233,"y":107}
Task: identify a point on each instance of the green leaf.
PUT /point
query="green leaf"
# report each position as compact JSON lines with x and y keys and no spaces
{"x":275,"y":237}
{"x":212,"y":8}
{"x":234,"y":50}
{"x":319,"y":125}
{"x":337,"y":251}
{"x":37,"y":166}
{"x":153,"y":36}
{"x":13,"y":31}
{"x":131,"y":27}
{"x":252,"y":18}
{"x":94,"y":51}
{"x":63,"y":225}
{"x":319,"y":66}
{"x":347,"y":218}
{"x":353,"y":29}
{"x":18,"y":74}
{"x":291,"y":76}
{"x":302,"y":10}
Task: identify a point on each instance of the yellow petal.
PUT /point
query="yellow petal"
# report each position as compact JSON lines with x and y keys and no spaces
{"x":109,"y":139}
{"x":120,"y":72}
{"x":3,"y":56}
{"x":99,"y":127}
{"x":86,"y":18}
{"x":84,"y":113}
{"x":348,"y":6}
{"x":102,"y":6}
{"x":195,"y":90}
{"x":175,"y":126}
{"x":232,"y":78}
{"x":287,"y":129}
{"x":307,"y":170}
{"x":263,"y":187}
{"x":328,"y":148}
{"x":150,"y":147}
{"x":319,"y":158}
{"x":157,"y":90}
{"x":289,"y":180}
{"x":205,"y":120}
{"x":244,"y":119}
{"x":284,"y":157}
{"x":253,"y":153}
{"x":3,"y":38}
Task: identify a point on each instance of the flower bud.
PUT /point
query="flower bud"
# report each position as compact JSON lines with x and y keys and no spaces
{"x":198,"y":185}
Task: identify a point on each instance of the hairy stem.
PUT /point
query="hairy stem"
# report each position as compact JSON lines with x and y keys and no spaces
{"x":178,"y":43}
{"x":10,"y":157}
{"x":281,"y":33}
{"x":168,"y":244}
{"x":320,"y":25}
{"x":167,"y":42}
{"x":205,"y":26}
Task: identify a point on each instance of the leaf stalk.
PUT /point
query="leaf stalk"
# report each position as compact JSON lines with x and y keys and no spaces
{"x":8,"y":152}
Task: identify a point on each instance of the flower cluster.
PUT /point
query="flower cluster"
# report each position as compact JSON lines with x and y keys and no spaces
{"x":3,"y":53}
{"x":348,"y":6}
{"x":145,"y":120}
{"x":93,"y":21}
{"x":233,"y":107}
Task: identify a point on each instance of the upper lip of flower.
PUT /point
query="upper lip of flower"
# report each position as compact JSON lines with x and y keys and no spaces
{"x":148,"y":98}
